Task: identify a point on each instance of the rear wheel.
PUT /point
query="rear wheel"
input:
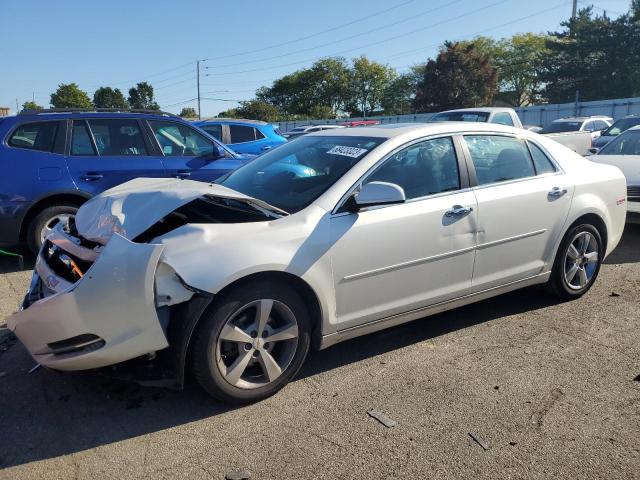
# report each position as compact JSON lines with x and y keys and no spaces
{"x":251,"y":342}
{"x":43,"y":223}
{"x":577,"y":262}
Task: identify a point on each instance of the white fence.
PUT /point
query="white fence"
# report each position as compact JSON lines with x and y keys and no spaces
{"x":540,"y":115}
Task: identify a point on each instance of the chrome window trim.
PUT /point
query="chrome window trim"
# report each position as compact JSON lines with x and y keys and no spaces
{"x":559,"y":169}
{"x":358,"y":183}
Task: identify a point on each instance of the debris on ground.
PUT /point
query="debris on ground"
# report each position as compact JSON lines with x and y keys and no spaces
{"x":382,"y":418}
{"x":237,"y":476}
{"x":479,"y":441}
{"x":35,"y":367}
{"x":614,"y":294}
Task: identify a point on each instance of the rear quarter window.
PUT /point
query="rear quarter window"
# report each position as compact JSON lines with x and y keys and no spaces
{"x":39,"y":136}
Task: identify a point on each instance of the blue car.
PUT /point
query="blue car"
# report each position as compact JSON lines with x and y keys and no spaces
{"x":53,"y":161}
{"x":619,"y":126}
{"x":243,"y":136}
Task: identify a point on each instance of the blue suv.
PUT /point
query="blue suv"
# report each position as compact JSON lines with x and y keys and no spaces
{"x":54,"y":160}
{"x":243,"y":136}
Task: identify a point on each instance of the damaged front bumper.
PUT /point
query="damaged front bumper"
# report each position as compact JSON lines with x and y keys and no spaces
{"x":107,"y":316}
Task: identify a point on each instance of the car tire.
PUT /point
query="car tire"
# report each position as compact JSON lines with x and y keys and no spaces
{"x":577,"y":263}
{"x":231,"y":355}
{"x":45,"y":220}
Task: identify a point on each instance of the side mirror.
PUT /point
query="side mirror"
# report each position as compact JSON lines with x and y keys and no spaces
{"x":378,"y":193}
{"x":594,"y":150}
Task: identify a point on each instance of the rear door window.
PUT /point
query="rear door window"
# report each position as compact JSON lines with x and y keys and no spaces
{"x":499,"y":158}
{"x":242,"y":133}
{"x":540,"y":160}
{"x":81,"y":139}
{"x":502,"y":118}
{"x":118,"y":137}
{"x":214,"y":130}
{"x":35,"y":136}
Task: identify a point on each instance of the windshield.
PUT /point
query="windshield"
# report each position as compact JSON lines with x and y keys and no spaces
{"x":295,"y":174}
{"x":559,"y":127}
{"x":461,"y":117}
{"x":627,"y":143}
{"x":621,"y":125}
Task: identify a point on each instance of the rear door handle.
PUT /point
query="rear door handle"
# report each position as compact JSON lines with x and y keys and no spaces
{"x":91,"y":177}
{"x":183,"y":174}
{"x":458,"y":211}
{"x":557,"y":192}
{"x":266,"y":147}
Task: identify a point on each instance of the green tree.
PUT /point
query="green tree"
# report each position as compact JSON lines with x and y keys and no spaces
{"x":594,"y":55}
{"x":369,"y":81}
{"x":31,"y":106}
{"x":398,"y":96}
{"x":257,"y":110}
{"x":460,"y":76}
{"x":141,"y":97}
{"x":70,"y":96}
{"x":107,"y":97}
{"x":188,"y":112}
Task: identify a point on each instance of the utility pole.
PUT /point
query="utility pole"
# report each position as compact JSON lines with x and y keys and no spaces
{"x":17,"y":107}
{"x":198,"y":75}
{"x":574,"y":12}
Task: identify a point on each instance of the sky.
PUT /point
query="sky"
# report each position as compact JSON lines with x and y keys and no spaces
{"x":242,"y":44}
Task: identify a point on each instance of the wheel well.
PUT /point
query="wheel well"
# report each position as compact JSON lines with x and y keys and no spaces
{"x":36,"y":208}
{"x":304,"y":290}
{"x":598,"y":223}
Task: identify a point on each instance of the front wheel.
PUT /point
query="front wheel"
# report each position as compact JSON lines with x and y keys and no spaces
{"x":251,"y":342}
{"x":577,"y":262}
{"x":43,"y":224}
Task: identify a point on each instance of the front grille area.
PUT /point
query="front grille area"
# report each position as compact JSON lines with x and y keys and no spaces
{"x":633,"y":194}
{"x":64,"y":264}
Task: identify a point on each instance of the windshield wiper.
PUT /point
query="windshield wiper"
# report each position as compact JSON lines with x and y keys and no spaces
{"x":255,"y":204}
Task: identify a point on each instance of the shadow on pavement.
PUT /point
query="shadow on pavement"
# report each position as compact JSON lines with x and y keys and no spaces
{"x":48,"y":414}
{"x":628,"y":251}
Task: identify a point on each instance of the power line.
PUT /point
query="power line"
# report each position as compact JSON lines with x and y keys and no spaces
{"x":350,"y":37}
{"x":427,"y":27}
{"x":300,"y":39}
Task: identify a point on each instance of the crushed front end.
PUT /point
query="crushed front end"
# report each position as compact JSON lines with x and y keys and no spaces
{"x":91,"y":305}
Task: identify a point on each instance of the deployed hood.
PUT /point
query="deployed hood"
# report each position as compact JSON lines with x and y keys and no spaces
{"x":131,"y":208}
{"x":629,"y":164}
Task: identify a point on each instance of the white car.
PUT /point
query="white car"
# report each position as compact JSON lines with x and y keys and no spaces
{"x":624,"y":152}
{"x":594,"y":125}
{"x":299,"y":131}
{"x":382,"y":225}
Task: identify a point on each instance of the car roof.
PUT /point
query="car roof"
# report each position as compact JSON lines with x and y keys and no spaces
{"x":389,"y":130}
{"x":479,"y":109}
{"x":80,"y":114}
{"x":582,"y":119}
{"x":230,"y":120}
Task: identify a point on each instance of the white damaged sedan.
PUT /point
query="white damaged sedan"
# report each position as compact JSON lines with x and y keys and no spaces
{"x":331,"y":236}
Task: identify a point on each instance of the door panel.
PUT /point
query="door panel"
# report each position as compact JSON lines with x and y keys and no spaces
{"x":394,"y":259}
{"x":107,"y":152}
{"x":518,"y":225}
{"x":523,"y":203}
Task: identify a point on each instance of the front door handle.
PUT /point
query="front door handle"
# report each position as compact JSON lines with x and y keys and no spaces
{"x":557,"y":192}
{"x":458,"y":211}
{"x":266,"y":147}
{"x":91,"y":177}
{"x":183,"y":174}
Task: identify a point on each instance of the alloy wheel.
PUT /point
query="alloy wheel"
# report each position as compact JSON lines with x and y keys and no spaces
{"x":50,"y":224}
{"x":257,"y":343}
{"x":581,"y":260}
